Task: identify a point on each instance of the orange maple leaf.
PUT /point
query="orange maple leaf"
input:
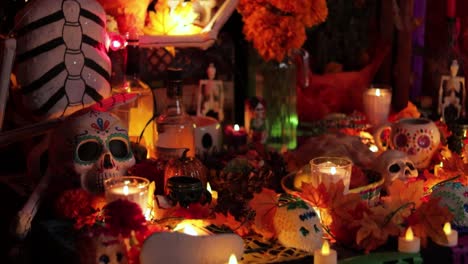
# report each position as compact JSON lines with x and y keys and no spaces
{"x":428,"y":221}
{"x":264,"y":204}
{"x":375,"y":228}
{"x":230,"y":221}
{"x":316,"y":196}
{"x":403,"y":198}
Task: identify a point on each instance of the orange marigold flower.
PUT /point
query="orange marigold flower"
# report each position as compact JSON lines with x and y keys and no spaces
{"x":276,"y":27}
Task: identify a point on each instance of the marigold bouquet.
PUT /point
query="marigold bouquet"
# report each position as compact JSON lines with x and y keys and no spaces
{"x":276,"y":26}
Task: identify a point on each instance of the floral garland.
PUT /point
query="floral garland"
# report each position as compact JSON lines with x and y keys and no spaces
{"x":276,"y":26}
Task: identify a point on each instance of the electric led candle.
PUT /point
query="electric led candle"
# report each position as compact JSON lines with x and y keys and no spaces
{"x":409,"y":243}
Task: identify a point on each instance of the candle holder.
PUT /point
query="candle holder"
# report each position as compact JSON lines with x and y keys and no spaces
{"x":330,"y":170}
{"x":376,"y":102}
{"x":132,"y":188}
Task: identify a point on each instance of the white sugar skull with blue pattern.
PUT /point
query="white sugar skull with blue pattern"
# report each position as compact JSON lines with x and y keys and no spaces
{"x":98,"y":145}
{"x":297,"y":224}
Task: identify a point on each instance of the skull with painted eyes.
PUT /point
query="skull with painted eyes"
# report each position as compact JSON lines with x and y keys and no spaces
{"x":92,"y":145}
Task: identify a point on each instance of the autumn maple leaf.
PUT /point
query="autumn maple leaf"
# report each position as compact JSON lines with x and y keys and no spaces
{"x":317,"y":196}
{"x":230,"y":221}
{"x":375,"y":228}
{"x":403,"y":197}
{"x":264,"y":204}
{"x":428,"y":221}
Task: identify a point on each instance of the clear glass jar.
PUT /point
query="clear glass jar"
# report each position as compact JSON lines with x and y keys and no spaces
{"x":175,"y":127}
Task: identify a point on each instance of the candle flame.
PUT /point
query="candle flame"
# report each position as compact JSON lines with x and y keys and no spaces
{"x":325,"y":248}
{"x":373,"y":148}
{"x":377,"y":92}
{"x":447,"y":229}
{"x":333,"y":170}
{"x":441,"y":164}
{"x":409,"y":234}
{"x":236,"y":127}
{"x":189,"y":230}
{"x":232,"y":259}
{"x":208,"y":187}
{"x":125,"y":190}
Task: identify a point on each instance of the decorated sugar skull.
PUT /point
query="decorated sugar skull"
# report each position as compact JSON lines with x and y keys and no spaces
{"x":102,"y":250}
{"x":61,"y":62}
{"x":91,"y":146}
{"x":454,"y":195}
{"x":395,"y":164}
{"x":297,"y":224}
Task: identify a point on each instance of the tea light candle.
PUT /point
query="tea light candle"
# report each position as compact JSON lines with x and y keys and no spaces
{"x":409,"y":243}
{"x":130,"y":188}
{"x":452,"y":236}
{"x":325,"y":255}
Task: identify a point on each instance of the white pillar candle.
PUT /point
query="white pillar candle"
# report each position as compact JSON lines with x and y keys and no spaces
{"x":325,"y":255}
{"x":377,"y":105}
{"x":409,"y":243}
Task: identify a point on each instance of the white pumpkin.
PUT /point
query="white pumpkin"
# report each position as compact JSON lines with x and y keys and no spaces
{"x":61,"y":60}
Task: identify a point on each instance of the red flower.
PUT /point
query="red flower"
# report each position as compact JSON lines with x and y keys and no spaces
{"x":122,"y":217}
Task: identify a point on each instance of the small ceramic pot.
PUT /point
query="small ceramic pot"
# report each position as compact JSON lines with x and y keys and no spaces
{"x":187,"y":190}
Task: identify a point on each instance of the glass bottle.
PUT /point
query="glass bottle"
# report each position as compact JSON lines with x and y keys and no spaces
{"x":175,"y":127}
{"x":137,"y":114}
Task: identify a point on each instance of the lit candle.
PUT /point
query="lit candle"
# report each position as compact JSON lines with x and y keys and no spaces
{"x":330,"y":170}
{"x":236,"y":135}
{"x":438,"y":168}
{"x":232,"y":259}
{"x":187,"y":227}
{"x":452,"y":236}
{"x":214,"y":194}
{"x":377,"y":105}
{"x":325,"y":255}
{"x":409,"y":243}
{"x":130,"y":188}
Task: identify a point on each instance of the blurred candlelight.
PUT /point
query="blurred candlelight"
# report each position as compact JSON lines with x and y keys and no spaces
{"x":214,"y":194}
{"x":232,"y":259}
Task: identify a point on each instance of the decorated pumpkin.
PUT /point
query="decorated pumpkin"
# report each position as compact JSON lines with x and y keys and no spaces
{"x":185,"y":166}
{"x":61,"y":61}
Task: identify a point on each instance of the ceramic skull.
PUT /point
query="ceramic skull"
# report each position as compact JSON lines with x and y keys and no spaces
{"x":92,"y":146}
{"x":61,"y":63}
{"x":297,"y":225}
{"x":395,"y":164}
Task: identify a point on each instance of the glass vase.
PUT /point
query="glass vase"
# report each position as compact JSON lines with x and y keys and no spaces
{"x":279,"y":93}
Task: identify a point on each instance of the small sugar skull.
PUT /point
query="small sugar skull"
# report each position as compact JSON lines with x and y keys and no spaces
{"x":102,"y":250}
{"x":91,"y":146}
{"x":297,"y":224}
{"x":394,"y":164}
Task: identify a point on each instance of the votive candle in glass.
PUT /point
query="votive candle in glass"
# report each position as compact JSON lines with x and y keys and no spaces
{"x":131,"y":188}
{"x":330,"y":170}
{"x":377,"y":105}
